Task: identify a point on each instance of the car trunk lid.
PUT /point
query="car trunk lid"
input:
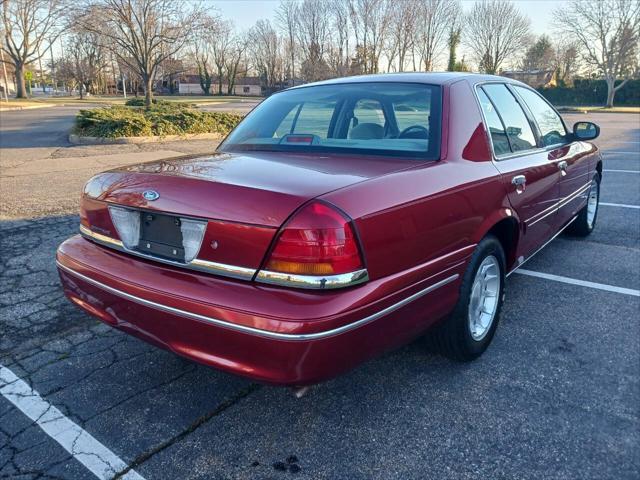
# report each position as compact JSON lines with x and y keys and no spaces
{"x":240,"y":199}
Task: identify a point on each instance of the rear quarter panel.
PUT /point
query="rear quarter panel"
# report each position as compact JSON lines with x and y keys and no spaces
{"x":434,"y":214}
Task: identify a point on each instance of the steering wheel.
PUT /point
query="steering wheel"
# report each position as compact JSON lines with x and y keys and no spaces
{"x":419,"y":129}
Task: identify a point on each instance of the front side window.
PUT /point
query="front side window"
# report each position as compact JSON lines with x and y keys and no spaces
{"x":549,"y":122}
{"x":397,"y":119}
{"x":515,"y":121}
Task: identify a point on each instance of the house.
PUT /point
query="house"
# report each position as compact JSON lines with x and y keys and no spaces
{"x":533,"y":78}
{"x":189,"y":84}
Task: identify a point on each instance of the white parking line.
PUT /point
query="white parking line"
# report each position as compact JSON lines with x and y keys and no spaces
{"x":622,"y":153}
{"x":621,"y":205}
{"x":582,"y":283}
{"x":100,"y":461}
{"x":622,"y":171}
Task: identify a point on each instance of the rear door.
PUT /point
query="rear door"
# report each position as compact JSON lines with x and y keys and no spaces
{"x":568,"y":156}
{"x":530,"y":179}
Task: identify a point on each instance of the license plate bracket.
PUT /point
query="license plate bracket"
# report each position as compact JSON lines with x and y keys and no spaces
{"x":160,"y":236}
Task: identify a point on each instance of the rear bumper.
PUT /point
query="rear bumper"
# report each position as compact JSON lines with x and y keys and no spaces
{"x":269,"y":334}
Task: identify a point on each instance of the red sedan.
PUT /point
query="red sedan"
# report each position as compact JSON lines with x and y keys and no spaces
{"x":337,"y":221}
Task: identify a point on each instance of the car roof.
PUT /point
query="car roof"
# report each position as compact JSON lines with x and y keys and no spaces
{"x":432,"y":78}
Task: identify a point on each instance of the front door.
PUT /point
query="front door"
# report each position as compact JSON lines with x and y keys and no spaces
{"x":530,"y":179}
{"x":569,"y":157}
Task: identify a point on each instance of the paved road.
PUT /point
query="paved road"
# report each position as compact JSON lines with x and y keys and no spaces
{"x":37,"y":128}
{"x":34,"y":150}
{"x":556,"y":395}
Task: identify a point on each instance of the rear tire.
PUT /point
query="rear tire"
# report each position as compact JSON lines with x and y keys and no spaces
{"x":585,"y":221}
{"x":468,"y":331}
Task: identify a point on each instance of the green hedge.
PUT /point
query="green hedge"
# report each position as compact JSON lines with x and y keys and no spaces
{"x":138,"y":102}
{"x":161,"y":119}
{"x":592,"y":92}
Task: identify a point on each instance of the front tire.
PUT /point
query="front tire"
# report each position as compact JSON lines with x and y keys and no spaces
{"x":468,"y":331}
{"x":585,"y":221}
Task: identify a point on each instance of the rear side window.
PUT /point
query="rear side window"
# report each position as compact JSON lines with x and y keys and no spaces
{"x":517,"y":126}
{"x":496,"y":129}
{"x":549,"y":122}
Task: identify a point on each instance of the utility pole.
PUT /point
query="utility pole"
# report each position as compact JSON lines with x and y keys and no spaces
{"x":53,"y":69}
{"x":44,"y":88}
{"x":4,"y":71}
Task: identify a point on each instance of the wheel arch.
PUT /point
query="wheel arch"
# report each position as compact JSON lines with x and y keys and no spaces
{"x":505,"y":226}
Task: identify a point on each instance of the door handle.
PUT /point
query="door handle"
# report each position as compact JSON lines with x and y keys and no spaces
{"x":519,"y":181}
{"x":563,"y":167}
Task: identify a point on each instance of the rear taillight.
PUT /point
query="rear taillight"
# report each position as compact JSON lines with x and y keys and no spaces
{"x":317,"y":241}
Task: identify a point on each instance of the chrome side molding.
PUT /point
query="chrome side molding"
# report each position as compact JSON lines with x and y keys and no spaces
{"x":257,"y":331}
{"x":525,"y":260}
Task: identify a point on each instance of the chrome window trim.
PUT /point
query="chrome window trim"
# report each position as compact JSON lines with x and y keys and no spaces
{"x":257,"y":331}
{"x":311,"y":281}
{"x":500,"y":158}
{"x":232,"y":271}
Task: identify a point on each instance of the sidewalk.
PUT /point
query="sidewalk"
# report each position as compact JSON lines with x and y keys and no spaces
{"x":14,"y":106}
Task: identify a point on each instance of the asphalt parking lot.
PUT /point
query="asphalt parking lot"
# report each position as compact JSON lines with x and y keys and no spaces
{"x":556,"y":396}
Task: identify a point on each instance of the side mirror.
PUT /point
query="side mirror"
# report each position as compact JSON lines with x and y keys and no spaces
{"x":586,"y":130}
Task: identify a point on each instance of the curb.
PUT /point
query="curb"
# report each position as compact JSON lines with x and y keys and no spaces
{"x":26,"y":107}
{"x":80,"y":140}
{"x":600,"y":110}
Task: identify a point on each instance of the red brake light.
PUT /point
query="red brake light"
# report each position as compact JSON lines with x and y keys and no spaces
{"x":319,"y":240}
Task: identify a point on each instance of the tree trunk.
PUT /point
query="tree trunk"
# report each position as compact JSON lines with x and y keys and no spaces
{"x":21,"y":88}
{"x":80,"y":85}
{"x":611,"y":91}
{"x":148,"y":91}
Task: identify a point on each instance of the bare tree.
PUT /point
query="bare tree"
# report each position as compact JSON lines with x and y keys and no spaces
{"x":221,"y":42}
{"x":338,"y":55}
{"x":86,"y":60}
{"x":495,"y":30}
{"x":565,"y":57}
{"x":287,"y":20}
{"x":312,"y":35}
{"x":435,"y":18}
{"x":268,"y":57}
{"x":607,"y":32}
{"x":371,"y":21}
{"x":402,"y":37}
{"x":26,"y":25}
{"x":201,"y":50}
{"x":143,"y":33}
{"x":236,"y":61}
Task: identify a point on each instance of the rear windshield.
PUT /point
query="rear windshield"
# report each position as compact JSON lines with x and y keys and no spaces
{"x":397,"y":119}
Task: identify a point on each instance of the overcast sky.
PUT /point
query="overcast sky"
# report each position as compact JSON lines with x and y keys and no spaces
{"x":244,"y":13}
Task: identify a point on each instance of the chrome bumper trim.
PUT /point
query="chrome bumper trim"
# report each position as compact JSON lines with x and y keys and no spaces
{"x":312,"y":281}
{"x":256,"y":331}
{"x":222,"y":269}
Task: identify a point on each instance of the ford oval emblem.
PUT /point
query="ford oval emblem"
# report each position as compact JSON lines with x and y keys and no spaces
{"x":150,"y":195}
